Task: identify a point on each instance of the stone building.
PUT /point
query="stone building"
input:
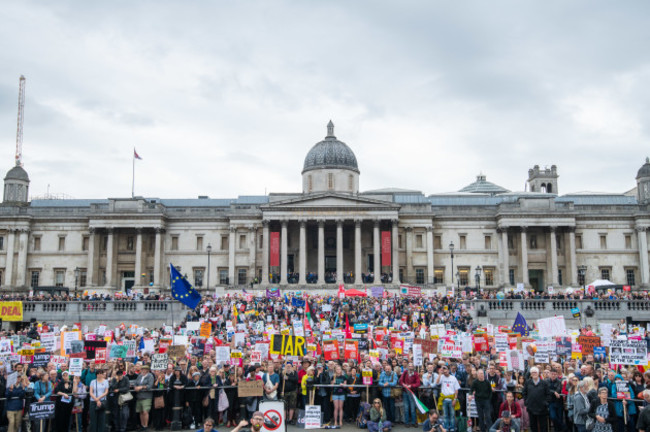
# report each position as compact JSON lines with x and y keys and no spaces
{"x":330,"y":234}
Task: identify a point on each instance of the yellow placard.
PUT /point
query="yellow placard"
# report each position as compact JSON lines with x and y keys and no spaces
{"x":11,"y":310}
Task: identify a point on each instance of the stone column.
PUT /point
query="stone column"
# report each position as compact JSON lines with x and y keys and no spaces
{"x":376,"y":246}
{"x":430,"y":267}
{"x":504,"y":256}
{"x":395,"y":258}
{"x":409,"y":254}
{"x":572,"y":267}
{"x":283,"y":253}
{"x":357,"y":252}
{"x":90,"y":264}
{"x":524,"y":257}
{"x":157,"y":264}
{"x":21,"y":268}
{"x":231,"y":256}
{"x":265,"y":252}
{"x":642,"y":237}
{"x":302,"y":280}
{"x":252,"y":252}
{"x":138,"y":257}
{"x":553,"y":245}
{"x":321,"y":251}
{"x":339,"y":252}
{"x":9,"y":262}
{"x":109,"y":258}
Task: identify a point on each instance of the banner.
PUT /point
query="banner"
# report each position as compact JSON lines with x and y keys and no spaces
{"x":628,"y":352}
{"x":377,"y":291}
{"x":11,"y":311}
{"x":331,"y":349}
{"x":41,"y":411}
{"x":410,"y":291}
{"x":275,"y":250}
{"x":385,"y":250}
{"x":287,"y":345}
{"x":351,"y":349}
{"x":91,"y":346}
{"x":587,"y":343}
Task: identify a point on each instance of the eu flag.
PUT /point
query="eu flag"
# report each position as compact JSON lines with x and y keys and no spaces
{"x":182,"y":289}
{"x":297,"y":302}
{"x":520,"y":326}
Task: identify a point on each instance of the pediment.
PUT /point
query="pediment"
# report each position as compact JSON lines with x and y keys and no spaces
{"x":330,"y":200}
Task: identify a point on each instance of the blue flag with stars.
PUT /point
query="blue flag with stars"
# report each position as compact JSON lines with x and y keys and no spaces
{"x":520,"y":326}
{"x":182,"y":289}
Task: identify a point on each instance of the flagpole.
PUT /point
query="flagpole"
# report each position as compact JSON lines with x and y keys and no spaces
{"x":133,"y":177}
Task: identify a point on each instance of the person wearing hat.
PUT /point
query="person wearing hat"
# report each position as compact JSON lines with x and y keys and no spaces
{"x":119,"y":385}
{"x":143,"y":387}
{"x":194,"y":397}
{"x":505,"y":424}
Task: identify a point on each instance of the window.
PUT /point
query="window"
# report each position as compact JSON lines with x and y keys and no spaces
{"x":464,"y":279}
{"x":104,"y":243}
{"x":330,"y":181}
{"x":260,"y":241}
{"x":578,"y":241}
{"x":223,"y":276}
{"x":102,"y":276}
{"x":628,"y":241}
{"x":174,"y":242}
{"x":511,"y":276}
{"x":59,"y":277}
{"x":419,"y":275}
{"x":605,"y":273}
{"x":437,"y":242}
{"x":488,"y":242}
{"x":2,"y":276}
{"x":199,"y":243}
{"x":463,"y":242}
{"x":35,"y":276}
{"x":2,"y":243}
{"x":582,"y":276}
{"x":130,"y":243}
{"x":241,"y":276}
{"x":399,"y":242}
{"x":37,"y":243}
{"x":438,"y":276}
{"x":242,"y":241}
{"x":224,"y":242}
{"x":150,"y":273}
{"x":85,"y":241}
{"x":488,"y":274}
{"x":532,"y":241}
{"x":511,"y":242}
{"x":351,"y":182}
{"x":61,"y":243}
{"x":629,"y":277}
{"x":310,"y":184}
{"x":603,"y":241}
{"x":83,"y":277}
{"x":418,"y":241}
{"x":559,"y":277}
{"x":152,"y":243}
{"x":198,"y":277}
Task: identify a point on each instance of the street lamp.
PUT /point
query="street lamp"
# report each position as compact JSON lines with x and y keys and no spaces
{"x":477,"y":278}
{"x":76,"y":280}
{"x":209,"y":249}
{"x":451,"y":251}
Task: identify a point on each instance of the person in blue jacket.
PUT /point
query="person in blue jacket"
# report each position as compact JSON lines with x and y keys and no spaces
{"x":15,"y":395}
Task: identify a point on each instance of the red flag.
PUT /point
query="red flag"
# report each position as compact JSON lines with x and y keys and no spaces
{"x":136,"y":155}
{"x":348,"y":332}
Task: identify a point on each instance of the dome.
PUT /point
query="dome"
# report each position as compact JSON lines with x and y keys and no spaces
{"x":481,"y":185}
{"x":330,"y":153}
{"x":17,"y":173}
{"x":644,"y":171}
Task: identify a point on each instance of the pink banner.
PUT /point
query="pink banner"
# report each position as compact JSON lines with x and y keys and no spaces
{"x":275,"y":249}
{"x":385,"y":249}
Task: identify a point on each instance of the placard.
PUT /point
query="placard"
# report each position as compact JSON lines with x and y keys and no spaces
{"x":312,"y":417}
{"x":250,"y":388}
{"x":11,"y":311}
{"x":551,"y":327}
{"x":587,"y":343}
{"x":41,"y":360}
{"x":628,"y":352}
{"x":417,"y":355}
{"x":222,"y":355}
{"x":41,"y":411}
{"x":76,"y":366}
{"x":287,"y":345}
{"x":176,"y":351}
{"x":366,"y":376}
{"x":206,"y":329}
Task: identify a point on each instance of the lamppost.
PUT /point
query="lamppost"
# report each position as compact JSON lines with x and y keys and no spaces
{"x":76,"y":280}
{"x":477,"y":278}
{"x":451,"y":251}
{"x":209,"y":249}
{"x":582,"y":271}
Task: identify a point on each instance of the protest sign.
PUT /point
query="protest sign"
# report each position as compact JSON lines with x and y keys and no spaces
{"x":287,"y":345}
{"x":331,"y":349}
{"x":351,"y":349}
{"x":587,"y":343}
{"x":551,"y":327}
{"x":100,"y":355}
{"x":91,"y":346}
{"x":250,"y":388}
{"x":41,"y":360}
{"x":159,"y":361}
{"x":622,"y":390}
{"x":176,"y":351}
{"x":366,"y":376}
{"x":417,"y":355}
{"x":11,"y":310}
{"x":41,"y":411}
{"x":628,"y":352}
{"x":76,"y":366}
{"x":206,"y":329}
{"x":600,"y":354}
{"x":312,"y":416}
{"x":116,"y":351}
{"x":222,"y":355}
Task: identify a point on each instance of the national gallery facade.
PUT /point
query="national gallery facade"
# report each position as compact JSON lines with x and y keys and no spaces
{"x":483,"y":235}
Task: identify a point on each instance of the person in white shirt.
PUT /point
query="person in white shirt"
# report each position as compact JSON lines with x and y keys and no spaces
{"x":448,"y":400}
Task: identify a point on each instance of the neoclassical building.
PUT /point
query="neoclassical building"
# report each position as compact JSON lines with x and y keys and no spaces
{"x":330,"y":233}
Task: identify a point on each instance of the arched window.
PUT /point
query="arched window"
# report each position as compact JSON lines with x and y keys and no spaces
{"x":549,"y":188}
{"x":543,"y":188}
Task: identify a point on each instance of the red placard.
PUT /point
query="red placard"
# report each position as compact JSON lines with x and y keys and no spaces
{"x":351,"y":349}
{"x":385,"y":248}
{"x":331,"y":349}
{"x":275,"y":249}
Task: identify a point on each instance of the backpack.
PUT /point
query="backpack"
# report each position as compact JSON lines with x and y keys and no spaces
{"x":364,"y":415}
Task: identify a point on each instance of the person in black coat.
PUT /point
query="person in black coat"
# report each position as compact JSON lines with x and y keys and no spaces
{"x":537,"y":396}
{"x":604,"y":412}
{"x":194,"y":398}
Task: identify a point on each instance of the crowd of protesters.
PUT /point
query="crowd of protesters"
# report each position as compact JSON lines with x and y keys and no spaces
{"x":194,"y":391}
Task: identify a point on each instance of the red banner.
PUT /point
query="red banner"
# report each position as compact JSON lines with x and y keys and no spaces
{"x":351,"y":349}
{"x":275,"y":249}
{"x":331,"y":349}
{"x":385,"y":249}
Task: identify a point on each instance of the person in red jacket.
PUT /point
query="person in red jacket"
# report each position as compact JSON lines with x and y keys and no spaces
{"x":410,"y":379}
{"x":512,"y":406}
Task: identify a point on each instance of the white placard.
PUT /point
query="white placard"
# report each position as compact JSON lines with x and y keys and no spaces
{"x":222,"y":355}
{"x":312,"y":417}
{"x":551,"y":327}
{"x":76,"y":366}
{"x":417,"y":355}
{"x":159,"y":361}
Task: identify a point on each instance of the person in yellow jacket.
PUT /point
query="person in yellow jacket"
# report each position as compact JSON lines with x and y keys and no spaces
{"x":306,"y":384}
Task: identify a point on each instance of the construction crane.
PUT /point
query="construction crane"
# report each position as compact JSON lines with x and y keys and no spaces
{"x":21,"y":118}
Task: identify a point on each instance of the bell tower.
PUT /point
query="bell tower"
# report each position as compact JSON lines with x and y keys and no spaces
{"x":543,"y":180}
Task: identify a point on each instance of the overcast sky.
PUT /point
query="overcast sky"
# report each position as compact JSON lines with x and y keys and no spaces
{"x":225,"y":98}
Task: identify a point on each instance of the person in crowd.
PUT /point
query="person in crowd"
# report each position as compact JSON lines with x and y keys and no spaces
{"x":98,"y":392}
{"x":194,"y":399}
{"x":448,"y":400}
{"x":604,"y":412}
{"x":159,"y":392}
{"x":537,"y":395}
{"x":378,"y":421}
{"x":289,"y":392}
{"x":271,"y":382}
{"x":556,"y":405}
{"x":643,"y":422}
{"x":481,"y":392}
{"x":119,"y":386}
{"x":581,"y":406}
{"x":410,"y":380}
{"x":433,"y":423}
{"x":505,"y":424}
{"x":387,"y":382}
{"x":338,"y":394}
{"x":64,"y":403}
{"x":143,"y":386}
{"x":15,"y":395}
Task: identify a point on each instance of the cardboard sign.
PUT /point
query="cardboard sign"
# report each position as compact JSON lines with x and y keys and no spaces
{"x":176,"y":351}
{"x":287,"y":345}
{"x":622,"y":390}
{"x":628,"y":352}
{"x":91,"y":346}
{"x":11,"y":311}
{"x":256,"y":357}
{"x":250,"y":388}
{"x":159,"y":361}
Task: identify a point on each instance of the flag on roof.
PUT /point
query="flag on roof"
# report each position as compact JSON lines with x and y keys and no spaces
{"x":182,"y":289}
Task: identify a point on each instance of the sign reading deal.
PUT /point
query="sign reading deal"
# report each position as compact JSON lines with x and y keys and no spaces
{"x":287,"y":345}
{"x":11,"y":311}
